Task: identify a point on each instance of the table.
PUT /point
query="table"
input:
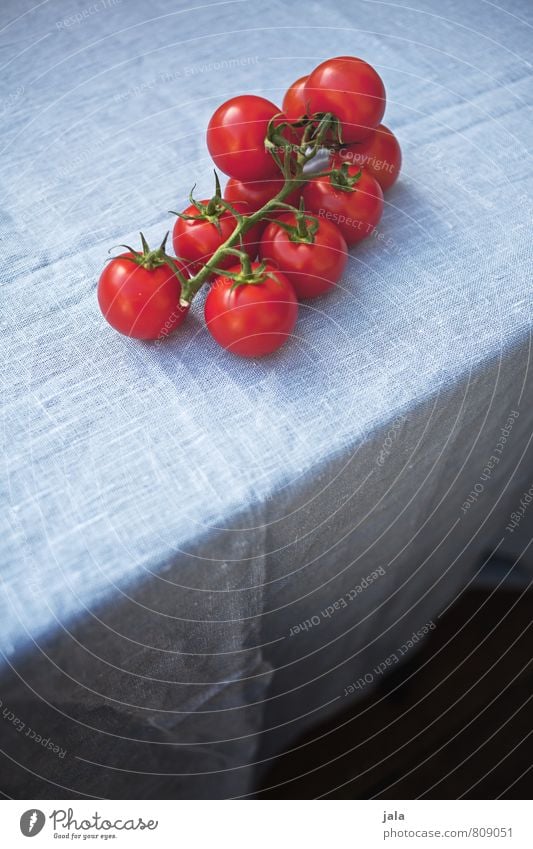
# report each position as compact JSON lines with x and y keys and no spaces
{"x":204,"y":556}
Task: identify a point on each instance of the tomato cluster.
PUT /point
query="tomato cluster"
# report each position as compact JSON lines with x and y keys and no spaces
{"x":280,"y":232}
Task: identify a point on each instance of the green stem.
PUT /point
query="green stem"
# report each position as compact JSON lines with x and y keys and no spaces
{"x":194,"y":284}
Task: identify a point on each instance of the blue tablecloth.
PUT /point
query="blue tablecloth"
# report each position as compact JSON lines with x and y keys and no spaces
{"x":179,"y":526}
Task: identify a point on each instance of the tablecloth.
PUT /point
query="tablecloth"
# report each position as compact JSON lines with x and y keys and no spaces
{"x":202,"y":556}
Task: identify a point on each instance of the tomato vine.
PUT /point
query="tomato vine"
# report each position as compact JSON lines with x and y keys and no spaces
{"x":291,"y":159}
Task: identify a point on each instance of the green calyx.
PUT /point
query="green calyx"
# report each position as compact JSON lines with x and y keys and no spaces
{"x":210,"y":211}
{"x":340,"y":178}
{"x":150,"y":259}
{"x":246,"y":275}
{"x":305,"y":227}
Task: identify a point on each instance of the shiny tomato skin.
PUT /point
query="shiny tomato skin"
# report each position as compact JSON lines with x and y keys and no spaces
{"x":139,"y":302}
{"x":294,"y":103}
{"x":255,"y":193}
{"x":251,"y":320}
{"x":236,"y":137}
{"x":352,"y":90}
{"x":313,"y":268}
{"x":195,"y":241}
{"x":356,"y":213}
{"x":380,"y":153}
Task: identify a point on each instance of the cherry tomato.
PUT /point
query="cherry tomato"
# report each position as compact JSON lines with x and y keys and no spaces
{"x":380,"y":153}
{"x":294,"y":103}
{"x":195,"y":240}
{"x":256,"y":193}
{"x":355,"y":212}
{"x":251,"y":319}
{"x":236,"y":137}
{"x":313,"y":267}
{"x":352,"y":90}
{"x":138,"y":301}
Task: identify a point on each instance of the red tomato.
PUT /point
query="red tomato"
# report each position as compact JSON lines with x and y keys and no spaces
{"x":256,"y":193}
{"x":355,"y":212}
{"x":251,"y":319}
{"x":352,"y":90}
{"x":380,"y":153}
{"x":294,"y":103}
{"x":236,"y":137}
{"x":195,"y":240}
{"x":313,"y":267}
{"x":138,"y":301}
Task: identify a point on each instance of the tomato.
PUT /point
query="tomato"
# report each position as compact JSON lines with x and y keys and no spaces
{"x":236,"y":137}
{"x":380,"y":153}
{"x":256,"y":193}
{"x":195,"y":240}
{"x":138,"y":301}
{"x":295,"y":106}
{"x":352,"y":90}
{"x":251,"y":319}
{"x":355,"y":211}
{"x":313,"y":267}
{"x":294,"y":103}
